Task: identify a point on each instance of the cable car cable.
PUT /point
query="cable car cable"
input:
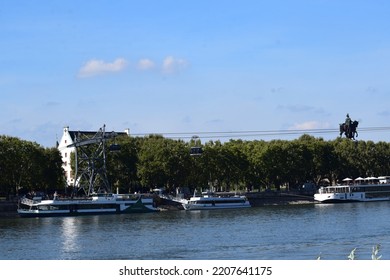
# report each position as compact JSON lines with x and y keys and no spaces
{"x":254,"y":133}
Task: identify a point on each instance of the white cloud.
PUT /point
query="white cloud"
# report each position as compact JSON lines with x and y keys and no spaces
{"x":145,"y":64}
{"x":172,"y":65}
{"x":96,"y":67}
{"x":309,"y":125}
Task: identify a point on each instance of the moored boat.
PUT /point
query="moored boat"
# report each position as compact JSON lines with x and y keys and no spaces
{"x":358,"y":190}
{"x":209,"y":201}
{"x":89,"y":205}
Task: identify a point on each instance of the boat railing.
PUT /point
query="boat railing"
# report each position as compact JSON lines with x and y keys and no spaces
{"x":178,"y":199}
{"x":27,"y":201}
{"x":126,"y":197}
{"x":343,"y":189}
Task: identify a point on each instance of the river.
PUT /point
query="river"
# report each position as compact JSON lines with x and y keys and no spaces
{"x":292,"y":232}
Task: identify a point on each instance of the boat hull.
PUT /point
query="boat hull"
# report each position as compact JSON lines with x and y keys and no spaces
{"x":211,"y":207}
{"x":337,"y":200}
{"x":332,"y":201}
{"x":39,"y":213}
{"x":214,"y":203}
{"x":91,"y":206}
{"x":353,"y":193}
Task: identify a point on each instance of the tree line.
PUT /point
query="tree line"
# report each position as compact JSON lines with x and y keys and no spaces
{"x":153,"y":161}
{"x":156,"y":162}
{"x":26,"y":166}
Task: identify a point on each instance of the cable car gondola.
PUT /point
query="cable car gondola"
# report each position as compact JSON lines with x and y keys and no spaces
{"x":196,"y":150}
{"x":114,"y":148}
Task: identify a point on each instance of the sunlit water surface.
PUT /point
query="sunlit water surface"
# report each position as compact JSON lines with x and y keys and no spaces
{"x":294,"y":232}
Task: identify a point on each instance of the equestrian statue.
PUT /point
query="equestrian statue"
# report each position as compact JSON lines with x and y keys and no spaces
{"x":349,"y":128}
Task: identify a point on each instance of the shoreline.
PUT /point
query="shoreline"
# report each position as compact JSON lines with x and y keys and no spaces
{"x":257,"y":199}
{"x":7,"y":206}
{"x":260,"y":199}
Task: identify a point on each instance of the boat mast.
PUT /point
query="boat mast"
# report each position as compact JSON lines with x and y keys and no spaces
{"x":90,"y":162}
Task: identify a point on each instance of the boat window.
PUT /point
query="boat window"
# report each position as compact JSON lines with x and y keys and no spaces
{"x":96,"y":206}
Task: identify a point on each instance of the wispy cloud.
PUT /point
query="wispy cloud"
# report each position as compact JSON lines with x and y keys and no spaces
{"x":277,"y":90}
{"x":187,"y":119}
{"x":303,"y":109}
{"x":52,"y":103}
{"x":296,"y":108}
{"x":169,"y":65}
{"x":172,"y":65}
{"x":309,"y":125}
{"x":384,"y":113}
{"x":146,"y":64}
{"x":97,"y":67}
{"x":214,"y":121}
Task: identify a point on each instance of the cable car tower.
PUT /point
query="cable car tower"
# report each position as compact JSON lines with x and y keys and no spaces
{"x":90,"y":161}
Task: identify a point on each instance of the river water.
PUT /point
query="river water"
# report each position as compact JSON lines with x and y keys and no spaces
{"x":293,"y":232}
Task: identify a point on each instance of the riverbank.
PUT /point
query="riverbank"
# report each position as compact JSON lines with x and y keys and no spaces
{"x":6,"y":206}
{"x":8,"y":209}
{"x":278,"y":198}
{"x":256,"y":199}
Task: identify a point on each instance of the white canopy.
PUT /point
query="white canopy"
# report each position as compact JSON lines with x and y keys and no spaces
{"x":347,"y":179}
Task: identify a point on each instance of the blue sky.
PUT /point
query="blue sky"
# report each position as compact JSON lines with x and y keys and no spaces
{"x":193,"y":66}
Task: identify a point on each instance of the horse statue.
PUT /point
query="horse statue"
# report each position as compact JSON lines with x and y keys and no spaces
{"x":350,"y":132}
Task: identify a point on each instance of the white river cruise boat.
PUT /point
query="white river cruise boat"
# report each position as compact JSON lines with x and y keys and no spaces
{"x":91,"y":174}
{"x":208,"y":201}
{"x":90,"y":205}
{"x":358,"y":190}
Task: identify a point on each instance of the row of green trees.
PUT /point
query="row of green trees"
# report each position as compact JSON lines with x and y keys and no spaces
{"x":150,"y":162}
{"x":155,"y":161}
{"x":26,"y":166}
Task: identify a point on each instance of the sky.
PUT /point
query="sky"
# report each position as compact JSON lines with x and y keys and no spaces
{"x":193,"y":66}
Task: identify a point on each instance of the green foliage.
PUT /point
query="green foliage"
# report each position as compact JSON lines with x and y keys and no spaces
{"x":154,"y":161}
{"x":163,"y":162}
{"x":238,"y":164}
{"x":122,"y":165}
{"x":26,"y":166}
